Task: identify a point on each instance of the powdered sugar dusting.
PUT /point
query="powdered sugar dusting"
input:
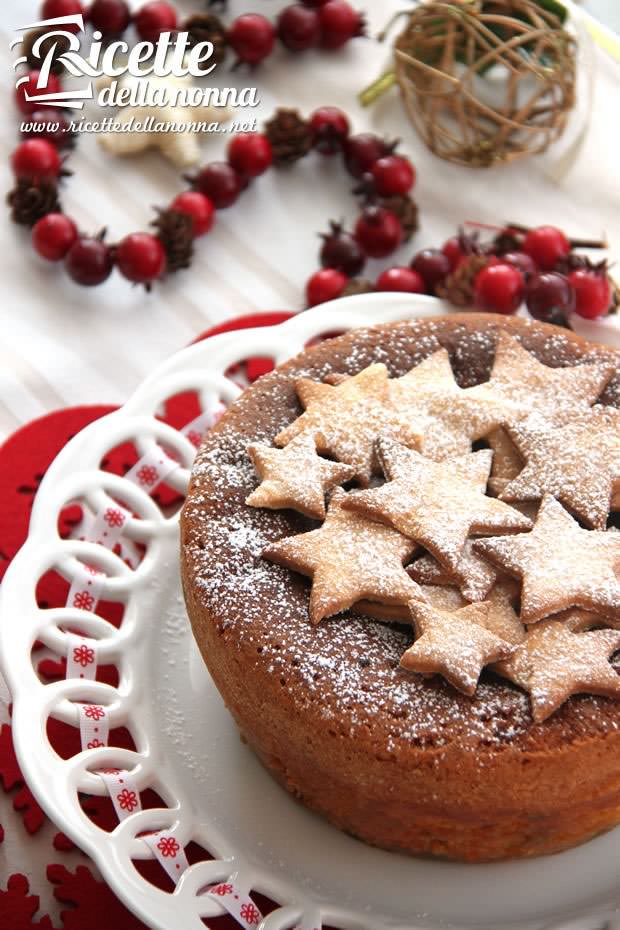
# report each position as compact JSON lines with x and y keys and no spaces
{"x":347,"y":668}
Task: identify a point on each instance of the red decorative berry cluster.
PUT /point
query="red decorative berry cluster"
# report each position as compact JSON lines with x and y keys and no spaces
{"x":536,"y":266}
{"x":328,"y":24}
{"x":539,"y":266}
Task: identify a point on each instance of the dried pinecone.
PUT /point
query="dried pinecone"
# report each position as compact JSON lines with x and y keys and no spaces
{"x":207,"y":27}
{"x":459,"y":286}
{"x":34,"y":61}
{"x":357,"y":286}
{"x":31,"y":199}
{"x":290,"y":136}
{"x":406,"y":210}
{"x":175,"y":232}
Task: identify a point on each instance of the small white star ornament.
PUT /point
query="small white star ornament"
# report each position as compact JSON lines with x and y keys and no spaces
{"x":179,"y":146}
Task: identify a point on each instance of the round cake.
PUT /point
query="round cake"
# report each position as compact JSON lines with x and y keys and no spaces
{"x":400,"y":566}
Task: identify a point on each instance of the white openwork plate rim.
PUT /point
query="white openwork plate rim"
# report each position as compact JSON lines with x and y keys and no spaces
{"x":76,"y":474}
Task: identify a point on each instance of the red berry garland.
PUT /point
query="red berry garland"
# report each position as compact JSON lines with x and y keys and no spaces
{"x":110,"y":17}
{"x":538,"y":265}
{"x":143,"y":258}
{"x":220,"y":183}
{"x":378,"y":231}
{"x":299,"y":28}
{"x":199,"y":208}
{"x":36,"y":158}
{"x":249,"y":154}
{"x":53,"y":235}
{"x":30,"y":87}
{"x":89,"y":261}
{"x":153,"y":18}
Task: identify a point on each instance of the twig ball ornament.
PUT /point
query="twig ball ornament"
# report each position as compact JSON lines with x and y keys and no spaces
{"x":487,"y":82}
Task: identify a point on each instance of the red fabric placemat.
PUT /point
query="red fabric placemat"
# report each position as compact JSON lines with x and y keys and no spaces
{"x":24,"y":459}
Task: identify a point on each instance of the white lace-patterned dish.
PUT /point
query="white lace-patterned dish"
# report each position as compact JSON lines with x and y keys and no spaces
{"x":186,"y":745}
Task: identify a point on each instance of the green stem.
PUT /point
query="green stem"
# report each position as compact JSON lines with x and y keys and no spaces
{"x":377,"y":88}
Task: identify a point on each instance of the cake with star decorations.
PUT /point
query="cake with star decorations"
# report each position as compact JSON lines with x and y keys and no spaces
{"x":401,"y":566}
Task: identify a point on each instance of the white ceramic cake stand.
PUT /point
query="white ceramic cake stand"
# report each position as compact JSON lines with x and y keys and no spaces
{"x":188,"y":749}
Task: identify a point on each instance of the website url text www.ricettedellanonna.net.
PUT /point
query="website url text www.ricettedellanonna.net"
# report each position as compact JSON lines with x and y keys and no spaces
{"x":148,"y":124}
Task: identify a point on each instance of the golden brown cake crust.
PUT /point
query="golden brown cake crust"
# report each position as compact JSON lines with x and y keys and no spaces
{"x":399,"y":760}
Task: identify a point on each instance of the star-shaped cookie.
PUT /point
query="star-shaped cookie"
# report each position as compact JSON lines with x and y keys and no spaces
{"x":446,"y":598}
{"x":349,"y":559}
{"x":473,"y":575}
{"x":455,"y":644}
{"x":437,"y":504}
{"x":295,"y":477}
{"x":537,"y":393}
{"x":554,"y":662}
{"x":561,"y":565}
{"x":448,"y":417}
{"x":578,"y":463}
{"x":502,"y":619}
{"x":347,"y":418}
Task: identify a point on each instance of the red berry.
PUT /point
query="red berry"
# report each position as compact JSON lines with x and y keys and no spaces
{"x":330,"y":128}
{"x":50,"y":125}
{"x":378,"y":231}
{"x":53,"y":235}
{"x":89,"y":261}
{"x":520,"y":260}
{"x":54,"y":8}
{"x":30,"y":87}
{"x":592,"y":292}
{"x":219,"y":182}
{"x":393,"y":175}
{"x":362,"y":151}
{"x":401,"y":279}
{"x":342,"y":252}
{"x":199,"y":207}
{"x":36,"y":158}
{"x":433,"y":265}
{"x":250,"y":154}
{"x":339,"y":23}
{"x":549,"y":297}
{"x":453,"y":252}
{"x":154,"y":18}
{"x":298,"y":27}
{"x":499,"y":288}
{"x":251,"y":37}
{"x":546,"y":245}
{"x":141,"y":257}
{"x":325,"y":284}
{"x":111,"y":17}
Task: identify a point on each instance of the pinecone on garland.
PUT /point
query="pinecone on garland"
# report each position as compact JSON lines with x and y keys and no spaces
{"x":458,"y":288}
{"x":34,"y":61}
{"x":357,"y":286}
{"x":207,"y":27}
{"x":175,"y":232}
{"x":290,"y":136}
{"x":31,"y":199}
{"x":406,"y":210}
